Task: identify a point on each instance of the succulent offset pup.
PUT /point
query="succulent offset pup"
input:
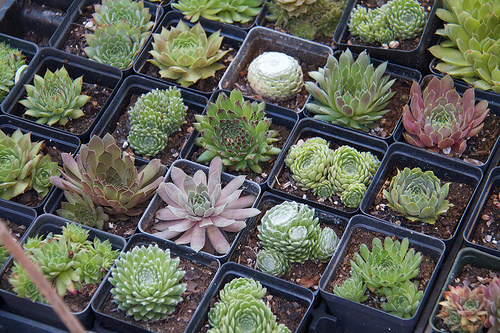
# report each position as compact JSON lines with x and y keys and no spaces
{"x":116,"y":11}
{"x":227,"y":11}
{"x":275,"y":76}
{"x":403,"y":299}
{"x":12,"y":60}
{"x":353,"y":288}
{"x":199,"y":209}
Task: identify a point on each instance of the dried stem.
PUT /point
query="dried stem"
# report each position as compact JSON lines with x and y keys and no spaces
{"x":42,"y":284}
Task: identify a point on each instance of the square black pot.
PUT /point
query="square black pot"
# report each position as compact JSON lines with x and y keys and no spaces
{"x":357,"y":317}
{"x":10,"y":322}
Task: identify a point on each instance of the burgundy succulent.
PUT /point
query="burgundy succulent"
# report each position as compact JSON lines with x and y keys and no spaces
{"x":492,"y":305}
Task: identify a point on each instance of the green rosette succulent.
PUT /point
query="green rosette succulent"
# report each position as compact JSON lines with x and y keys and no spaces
{"x":272,"y":262}
{"x":116,"y":11}
{"x":95,"y":261}
{"x":310,"y":162}
{"x":23,"y":286}
{"x":403,"y":299}
{"x":240,"y":288}
{"x":275,"y":76}
{"x":353,"y":288}
{"x":115,"y":44}
{"x":226,"y":11}
{"x":186,"y":54}
{"x":440,"y":119}
{"x":200,"y":209}
{"x":236,"y":130}
{"x":406,"y":18}
{"x":11,"y":60}
{"x":290,"y":228}
{"x":350,"y":93}
{"x":470,"y":49}
{"x":146,"y":283}
{"x":418,"y":195}
{"x":41,"y":174}
{"x":55,"y":98}
{"x":325,"y":245}
{"x":154,"y":117}
{"x":386,"y":264}
{"x":109,"y":177}
{"x":353,"y":194}
{"x":371,"y":25}
{"x":83,"y":210}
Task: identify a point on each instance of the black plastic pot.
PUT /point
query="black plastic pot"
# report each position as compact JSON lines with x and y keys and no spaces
{"x":494,"y":109}
{"x":42,"y":312}
{"x":322,"y":320}
{"x":274,"y":286}
{"x":118,"y":325}
{"x":308,"y":128}
{"x":266,"y":202}
{"x":417,"y":58}
{"x":270,"y":40}
{"x":278,"y":115}
{"x":357,"y":317}
{"x":148,"y":218}
{"x":138,"y":85}
{"x":93,"y":73}
{"x":10,"y":322}
{"x":396,"y":72}
{"x":466,"y":256}
{"x":64,"y":142}
{"x":34,"y":21}
{"x":233,"y":37}
{"x":401,"y":155}
{"x":59,"y":39}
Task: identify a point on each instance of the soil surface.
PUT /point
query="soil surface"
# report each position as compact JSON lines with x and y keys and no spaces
{"x":487,"y":231}
{"x":362,"y":236}
{"x":16,"y":230}
{"x":197,"y":279}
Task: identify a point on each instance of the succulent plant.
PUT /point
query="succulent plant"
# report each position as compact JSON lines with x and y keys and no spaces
{"x":44,"y":169}
{"x":491,"y":293}
{"x":11,"y":60}
{"x":109,"y":177}
{"x":418,"y":195}
{"x":310,"y":163}
{"x":403,"y":299}
{"x":325,"y":245}
{"x":4,"y":254}
{"x":471,"y":44}
{"x":54,"y":98}
{"x":116,"y":11}
{"x":350,"y":93}
{"x":95,"y":261}
{"x":146,"y":282}
{"x":406,"y":18}
{"x":23,"y":286}
{"x":153,"y":118}
{"x":275,"y":76}
{"x":227,"y":11}
{"x":386,"y":264}
{"x":371,"y":25}
{"x":199,"y":208}
{"x":272,"y":262}
{"x":463,"y":310}
{"x":83,"y":210}
{"x":439,"y":119}
{"x":186,"y":54}
{"x":353,"y":194}
{"x":115,"y":44}
{"x":237,"y":131}
{"x":241,"y":287}
{"x":353,"y":288}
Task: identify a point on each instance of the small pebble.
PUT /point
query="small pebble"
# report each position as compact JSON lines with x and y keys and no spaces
{"x":394,"y":44}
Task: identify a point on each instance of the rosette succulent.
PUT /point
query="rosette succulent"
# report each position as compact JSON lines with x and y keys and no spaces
{"x":41,"y":174}
{"x":153,"y":118}
{"x":272,"y":262}
{"x":418,"y":195}
{"x":351,"y":197}
{"x":23,"y":286}
{"x":353,"y":288}
{"x":115,"y":44}
{"x":241,"y":287}
{"x":471,"y":45}
{"x":386,"y":264}
{"x":199,"y":208}
{"x":491,"y":294}
{"x":403,"y":299}
{"x":310,"y":163}
{"x":11,"y":60}
{"x":55,"y":98}
{"x":109,"y":177}
{"x":116,"y":11}
{"x":371,"y":25}
{"x":440,"y":119}
{"x":463,"y":310}
{"x":146,"y":283}
{"x":237,"y":131}
{"x":227,"y":11}
{"x":350,"y":93}
{"x":83,"y":210}
{"x":186,"y":54}
{"x":275,"y":76}
{"x":325,"y":245}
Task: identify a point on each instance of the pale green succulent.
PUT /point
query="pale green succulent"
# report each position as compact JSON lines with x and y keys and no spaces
{"x":83,"y":210}
{"x":272,"y":262}
{"x":240,"y":288}
{"x":116,"y":11}
{"x":115,"y":44}
{"x":470,"y":49}
{"x":275,"y":76}
{"x":353,"y":288}
{"x":95,"y":261}
{"x":186,"y":54}
{"x":44,"y":169}
{"x":371,"y":25}
{"x":226,"y":11}
{"x":55,"y":98}
{"x":353,"y":194}
{"x":146,"y":283}
{"x":4,"y":254}
{"x":418,"y":195}
{"x":238,"y":131}
{"x":23,"y":286}
{"x":11,"y":60}
{"x":386,"y":264}
{"x":350,"y":93}
{"x":310,"y":163}
{"x":403,"y":299}
{"x":325,"y":245}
